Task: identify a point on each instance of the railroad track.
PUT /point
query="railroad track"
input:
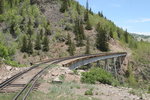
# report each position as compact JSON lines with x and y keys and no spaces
{"x":23,"y":94}
{"x":8,"y":81}
{"x":30,"y":85}
{"x":16,"y":76}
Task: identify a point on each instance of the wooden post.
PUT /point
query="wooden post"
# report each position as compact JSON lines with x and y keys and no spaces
{"x":115,"y":67}
{"x":98,"y":64}
{"x":106,"y":64}
{"x":119,"y":62}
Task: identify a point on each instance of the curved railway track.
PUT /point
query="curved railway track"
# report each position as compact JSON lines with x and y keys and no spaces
{"x":16,"y":76}
{"x":30,"y":85}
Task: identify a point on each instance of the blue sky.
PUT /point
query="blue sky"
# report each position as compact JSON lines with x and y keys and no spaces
{"x":133,"y":15}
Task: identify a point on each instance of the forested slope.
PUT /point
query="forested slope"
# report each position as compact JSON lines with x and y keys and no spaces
{"x":32,"y":30}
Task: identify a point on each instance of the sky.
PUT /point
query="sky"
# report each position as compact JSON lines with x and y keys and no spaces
{"x":133,"y":15}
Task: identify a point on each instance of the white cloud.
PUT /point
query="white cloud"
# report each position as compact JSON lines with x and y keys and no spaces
{"x":141,"y":20}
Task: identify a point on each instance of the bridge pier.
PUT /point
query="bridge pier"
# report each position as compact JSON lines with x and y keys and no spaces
{"x":115,"y":67}
{"x":98,"y":63}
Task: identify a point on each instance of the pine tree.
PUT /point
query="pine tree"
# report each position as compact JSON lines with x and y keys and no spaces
{"x":126,"y":36}
{"x":86,"y":13}
{"x":30,"y":47}
{"x":30,"y":31}
{"x":100,"y":14}
{"x":30,"y":27}
{"x":91,"y":12}
{"x":32,"y":2}
{"x":88,"y":25}
{"x":64,"y":6}
{"x":111,"y":33}
{"x":87,"y":46}
{"x":38,"y":42}
{"x":68,"y":39}
{"x":11,"y":2}
{"x":24,"y":44}
{"x":71,"y":48}
{"x":69,"y":3}
{"x":1,"y":6}
{"x":46,"y":44}
{"x":86,"y":16}
{"x":102,"y":41}
{"x":98,"y":26}
{"x":48,"y":29}
{"x":78,"y":8}
{"x":41,"y":34}
{"x":12,"y":30}
{"x":79,"y":32}
{"x":118,"y":33}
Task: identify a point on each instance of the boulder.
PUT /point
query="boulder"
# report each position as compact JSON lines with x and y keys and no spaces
{"x":56,"y":80}
{"x":8,"y":68}
{"x":55,"y":74}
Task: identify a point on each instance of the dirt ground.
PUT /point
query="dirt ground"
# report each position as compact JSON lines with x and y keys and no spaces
{"x":8,"y":71}
{"x":100,"y":91}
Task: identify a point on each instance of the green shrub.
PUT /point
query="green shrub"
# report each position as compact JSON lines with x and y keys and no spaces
{"x":98,"y":75}
{"x":85,"y":67}
{"x":131,"y":78}
{"x":75,"y":72}
{"x":148,"y":89}
{"x":13,"y":63}
{"x":69,"y":27}
{"x":132,"y":92}
{"x":89,"y":92}
{"x":3,"y":51}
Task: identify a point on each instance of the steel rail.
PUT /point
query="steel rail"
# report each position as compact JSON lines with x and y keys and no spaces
{"x":32,"y":82}
{"x":38,"y":75}
{"x":16,"y":76}
{"x":28,"y":84}
{"x":11,"y":79}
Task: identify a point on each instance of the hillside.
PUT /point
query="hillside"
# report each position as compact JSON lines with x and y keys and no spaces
{"x":36,"y":30}
{"x":46,"y":17}
{"x":142,"y":37}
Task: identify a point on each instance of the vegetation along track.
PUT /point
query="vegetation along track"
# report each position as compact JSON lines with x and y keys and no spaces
{"x":29,"y":86}
{"x":13,"y":78}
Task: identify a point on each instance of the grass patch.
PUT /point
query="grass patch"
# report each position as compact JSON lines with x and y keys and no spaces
{"x":89,"y":92}
{"x":13,"y":63}
{"x":64,"y":91}
{"x":62,"y":77}
{"x":7,"y":96}
{"x":75,"y":72}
